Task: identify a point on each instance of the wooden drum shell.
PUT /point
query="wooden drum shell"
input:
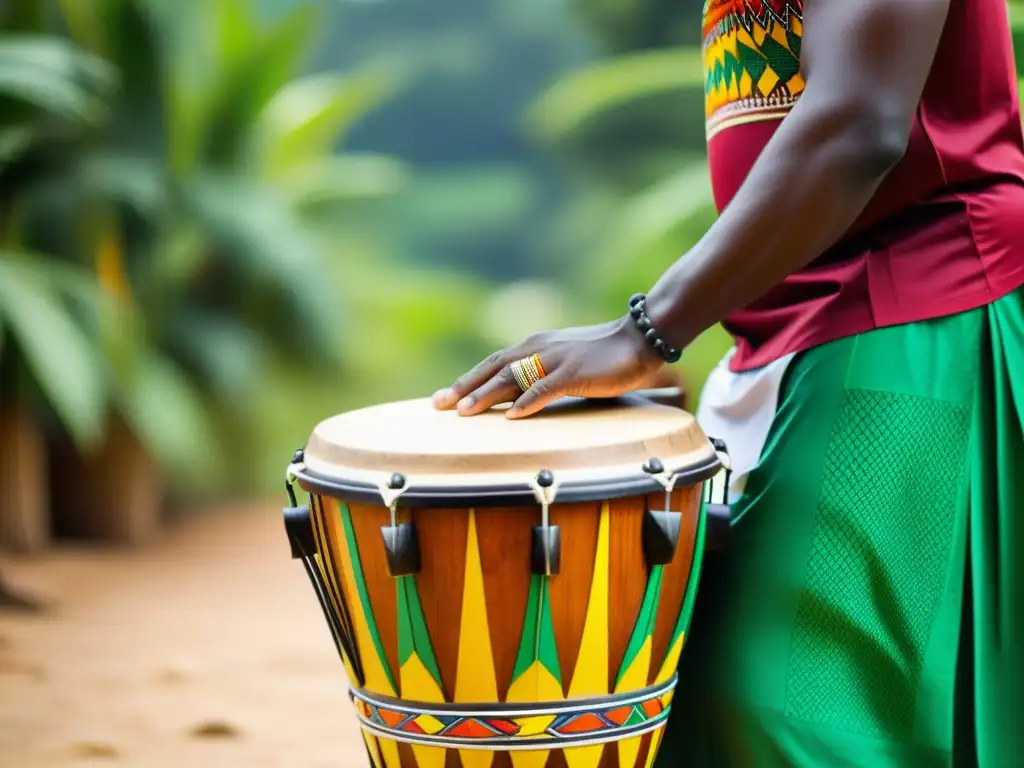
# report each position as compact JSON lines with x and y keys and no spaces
{"x":503,"y":543}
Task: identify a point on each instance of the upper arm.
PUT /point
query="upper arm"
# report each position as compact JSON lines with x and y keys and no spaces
{"x":870,"y":59}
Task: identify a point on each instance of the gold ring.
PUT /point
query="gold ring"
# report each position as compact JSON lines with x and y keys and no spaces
{"x":540,"y":368}
{"x":519,"y":374}
{"x":527,"y":372}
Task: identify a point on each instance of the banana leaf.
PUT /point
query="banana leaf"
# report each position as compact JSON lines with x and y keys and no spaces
{"x":54,"y":76}
{"x":307,"y":118}
{"x":242,"y":88}
{"x":59,"y":356}
{"x":167,"y":413}
{"x":254,"y":230}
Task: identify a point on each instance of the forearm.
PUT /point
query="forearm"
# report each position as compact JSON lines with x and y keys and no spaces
{"x":810,"y":184}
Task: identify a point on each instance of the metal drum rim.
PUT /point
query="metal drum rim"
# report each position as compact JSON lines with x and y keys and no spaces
{"x":504,"y":495}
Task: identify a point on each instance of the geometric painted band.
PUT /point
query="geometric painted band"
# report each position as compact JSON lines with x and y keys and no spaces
{"x":507,"y":727}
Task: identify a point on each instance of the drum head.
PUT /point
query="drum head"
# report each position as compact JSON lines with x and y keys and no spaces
{"x":594,"y":448}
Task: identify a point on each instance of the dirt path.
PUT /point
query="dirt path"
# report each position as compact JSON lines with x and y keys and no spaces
{"x":207,"y":649}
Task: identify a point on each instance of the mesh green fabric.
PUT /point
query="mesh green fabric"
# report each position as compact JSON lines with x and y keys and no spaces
{"x":889,"y":538}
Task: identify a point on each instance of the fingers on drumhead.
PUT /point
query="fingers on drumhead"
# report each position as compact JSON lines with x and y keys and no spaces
{"x":501,"y":388}
{"x":483,"y":372}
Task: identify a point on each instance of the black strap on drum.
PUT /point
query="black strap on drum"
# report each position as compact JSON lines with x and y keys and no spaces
{"x":718,"y":510}
{"x":302,"y":538}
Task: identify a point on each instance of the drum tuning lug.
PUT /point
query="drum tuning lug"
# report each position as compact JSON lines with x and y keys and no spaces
{"x":661,"y":536}
{"x":718,"y":444}
{"x":299,"y":527}
{"x":546,"y":552}
{"x":299,"y":456}
{"x":661,"y":526}
{"x":546,"y":549}
{"x":654,"y":466}
{"x":397,"y":482}
{"x":403,"y":549}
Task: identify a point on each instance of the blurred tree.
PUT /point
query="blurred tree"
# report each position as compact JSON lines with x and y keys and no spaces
{"x":482,"y":192}
{"x":197,"y":202}
{"x":233,"y":245}
{"x":50,"y":93}
{"x":629,"y":25}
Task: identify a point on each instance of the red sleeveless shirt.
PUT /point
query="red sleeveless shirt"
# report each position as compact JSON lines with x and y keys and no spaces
{"x":945,"y":231}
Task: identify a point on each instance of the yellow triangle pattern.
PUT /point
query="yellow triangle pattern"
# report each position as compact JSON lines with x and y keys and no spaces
{"x":419,"y":685}
{"x":656,"y":738}
{"x":373,"y":668}
{"x":537,"y":759}
{"x":535,"y":684}
{"x":371,"y":747}
{"x":389,"y":748}
{"x":476,"y":681}
{"x":634,"y":679}
{"x":671,"y":660}
{"x":591,"y":675}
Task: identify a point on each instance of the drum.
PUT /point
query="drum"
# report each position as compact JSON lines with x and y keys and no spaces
{"x":507,"y":594}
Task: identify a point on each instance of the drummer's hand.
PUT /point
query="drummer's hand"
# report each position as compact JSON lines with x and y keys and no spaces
{"x":596,"y":361}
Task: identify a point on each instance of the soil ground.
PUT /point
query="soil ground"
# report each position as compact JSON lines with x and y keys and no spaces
{"x":206,"y":649}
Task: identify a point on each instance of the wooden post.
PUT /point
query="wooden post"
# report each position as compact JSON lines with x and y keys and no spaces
{"x":114,"y":495}
{"x":24,"y":501}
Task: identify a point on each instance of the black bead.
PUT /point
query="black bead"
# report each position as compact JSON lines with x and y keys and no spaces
{"x":652,"y":335}
{"x":660,"y":346}
{"x":636,"y":311}
{"x":636,"y":298}
{"x":654,"y":466}
{"x":299,"y":456}
{"x":643,"y":323}
{"x":545,"y":478}
{"x":397,"y":482}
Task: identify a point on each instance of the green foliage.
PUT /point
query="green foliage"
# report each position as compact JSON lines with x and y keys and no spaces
{"x":304,"y":120}
{"x":1017,"y":28}
{"x":57,"y":354}
{"x":597,"y":88}
{"x":626,"y":25}
{"x":54,"y":76}
{"x":469,"y":68}
{"x":196,"y":189}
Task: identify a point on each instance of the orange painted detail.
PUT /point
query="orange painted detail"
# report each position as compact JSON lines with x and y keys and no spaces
{"x":652,"y":708}
{"x":585,"y":723}
{"x":391,"y":719}
{"x":619,"y":716}
{"x":504,"y":726}
{"x":471,"y":729}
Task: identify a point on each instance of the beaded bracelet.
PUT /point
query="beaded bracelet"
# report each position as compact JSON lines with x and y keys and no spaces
{"x":638,"y":311}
